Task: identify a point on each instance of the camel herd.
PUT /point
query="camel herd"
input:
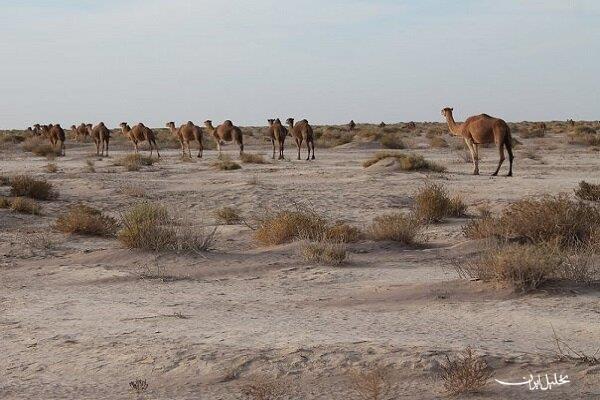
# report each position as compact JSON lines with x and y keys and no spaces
{"x":301,"y":131}
{"x":476,"y":130}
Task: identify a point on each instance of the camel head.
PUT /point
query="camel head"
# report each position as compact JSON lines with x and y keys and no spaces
{"x":190,"y":123}
{"x":87,"y":125}
{"x":36,"y":126}
{"x":101,"y":123}
{"x":170,"y":125}
{"x":447,"y":112}
{"x":270,"y":121}
{"x":208,"y":124}
{"x":290,"y":121}
{"x":73,"y":128}
{"x":277,"y":121}
{"x":123,"y":124}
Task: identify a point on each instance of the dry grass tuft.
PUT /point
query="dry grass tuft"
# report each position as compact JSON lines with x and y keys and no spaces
{"x":375,"y":384}
{"x":407,"y":162}
{"x":134,"y":162}
{"x":249,"y":158}
{"x":51,"y":168}
{"x":39,"y":146}
{"x":4,"y":202}
{"x":465,"y":373}
{"x":285,"y":226}
{"x":396,"y":227}
{"x":265,"y":388}
{"x":323,"y":252}
{"x":226,"y":164}
{"x":85,"y":220}
{"x":432,"y":204}
{"x":24,"y":205}
{"x":343,"y":233}
{"x":139,"y":386}
{"x":438,"y":142}
{"x":26,"y":186}
{"x":550,"y":219}
{"x":392,"y":141}
{"x":89,"y":166}
{"x":588,"y":191}
{"x":227,"y":215}
{"x":133,"y":191}
{"x":521,"y":267}
{"x":148,"y":226}
{"x":534,"y":133}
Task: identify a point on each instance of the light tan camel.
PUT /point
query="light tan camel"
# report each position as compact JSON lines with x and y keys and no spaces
{"x":351,"y":125}
{"x":101,"y":135}
{"x":226,"y":132}
{"x":278,"y":134}
{"x":56,"y":135}
{"x":187,"y":133}
{"x":140,"y":133}
{"x":482,"y":129}
{"x":302,"y":131}
{"x":80,"y":131}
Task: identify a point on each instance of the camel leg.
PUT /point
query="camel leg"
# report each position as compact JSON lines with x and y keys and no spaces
{"x":135,"y":146}
{"x":508,"y":145}
{"x":473,"y":157}
{"x":308,"y":148}
{"x":189,"y":150}
{"x":501,"y":151}
{"x":273,"y":144}
{"x":298,"y":143}
{"x":281,"y":148}
{"x":241,"y":144}
{"x":182,"y":148}
{"x":156,"y":147}
{"x":312,"y":146}
{"x":98,"y":148}
{"x":219,"y":148}
{"x":107,"y":141}
{"x":200,"y":148}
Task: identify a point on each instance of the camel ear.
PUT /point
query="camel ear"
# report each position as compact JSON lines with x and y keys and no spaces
{"x":451,"y":109}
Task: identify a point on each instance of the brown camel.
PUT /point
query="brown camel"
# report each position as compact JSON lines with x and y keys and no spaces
{"x":187,"y":133}
{"x":351,"y":125}
{"x":482,"y":129}
{"x":411,"y":125}
{"x":571,"y":122}
{"x":37,"y":130}
{"x":56,"y":135}
{"x":101,"y":135}
{"x":80,"y":131}
{"x":543,"y":127}
{"x":226,"y":132}
{"x":140,"y":133}
{"x":302,"y":131}
{"x":278,"y":133}
{"x":382,"y":124}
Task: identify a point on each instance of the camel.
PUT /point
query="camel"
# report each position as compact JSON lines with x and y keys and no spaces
{"x":571,"y":122}
{"x":411,"y":125}
{"x":80,"y":131}
{"x":278,"y":133}
{"x":226,"y":132}
{"x":101,"y":135}
{"x":139,"y":133}
{"x":382,"y":124}
{"x":351,"y":125}
{"x":37,"y":130}
{"x":302,"y":131}
{"x":56,"y":135}
{"x":482,"y":129}
{"x":187,"y":133}
{"x":543,"y":127}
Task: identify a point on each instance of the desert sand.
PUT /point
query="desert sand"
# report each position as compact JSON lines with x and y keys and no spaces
{"x":81,"y":317}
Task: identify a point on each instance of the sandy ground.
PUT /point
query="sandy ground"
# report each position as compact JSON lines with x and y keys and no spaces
{"x":82,"y":317}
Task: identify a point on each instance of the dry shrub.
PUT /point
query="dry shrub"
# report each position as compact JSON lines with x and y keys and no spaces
{"x":333,"y":137}
{"x":27,"y":186}
{"x":323,"y":252}
{"x":407,"y":162}
{"x":51,"y":168}
{"x":285,"y":226}
{"x":148,"y":226}
{"x":534,"y":133}
{"x":434,"y":132}
{"x":438,"y":142}
{"x":134,"y":162}
{"x":392,"y":141}
{"x":432,"y":204}
{"x":4,"y":202}
{"x":133,"y":191}
{"x":89,"y":166}
{"x":585,"y":130}
{"x":588,"y":191}
{"x":521,"y":267}
{"x":265,"y":388}
{"x":375,"y":384}
{"x":226,"y":164}
{"x":24,"y":205}
{"x":139,"y":386}
{"x":343,"y":233}
{"x":12,"y":138}
{"x":86,"y":220}
{"x":227,"y":215}
{"x":249,"y":158}
{"x":550,"y":219}
{"x":396,"y":227}
{"x":39,"y":146}
{"x":465,"y":373}
{"x":584,"y":139}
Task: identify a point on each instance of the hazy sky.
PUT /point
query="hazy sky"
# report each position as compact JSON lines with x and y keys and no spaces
{"x":328,"y":61}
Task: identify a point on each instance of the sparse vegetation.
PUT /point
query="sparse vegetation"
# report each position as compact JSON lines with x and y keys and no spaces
{"x":51,"y":168}
{"x":249,"y":158}
{"x":24,"y":205}
{"x":392,"y":141}
{"x":432,"y":204}
{"x":550,"y":219}
{"x":134,"y":162}
{"x":148,"y":226}
{"x":86,"y":220}
{"x":588,"y":191}
{"x":89,"y":166}
{"x":265,"y":388}
{"x":374,"y":384}
{"x":226,"y":164}
{"x":27,"y":186}
{"x":438,"y":142}
{"x":465,"y":373}
{"x":397,"y":227}
{"x":342,"y":233}
{"x":534,"y":133}
{"x":133,"y":191}
{"x":228,"y":215}
{"x":323,"y":252}
{"x":285,"y":226}
{"x":39,"y":146}
{"x":406,"y":162}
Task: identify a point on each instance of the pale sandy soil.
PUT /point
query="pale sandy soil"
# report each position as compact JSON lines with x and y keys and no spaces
{"x":83,"y":318}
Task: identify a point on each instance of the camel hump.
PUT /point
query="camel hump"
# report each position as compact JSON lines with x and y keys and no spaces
{"x":227,"y":123}
{"x":485,"y":116}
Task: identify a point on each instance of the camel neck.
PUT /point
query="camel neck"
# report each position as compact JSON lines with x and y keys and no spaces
{"x":454,"y":127}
